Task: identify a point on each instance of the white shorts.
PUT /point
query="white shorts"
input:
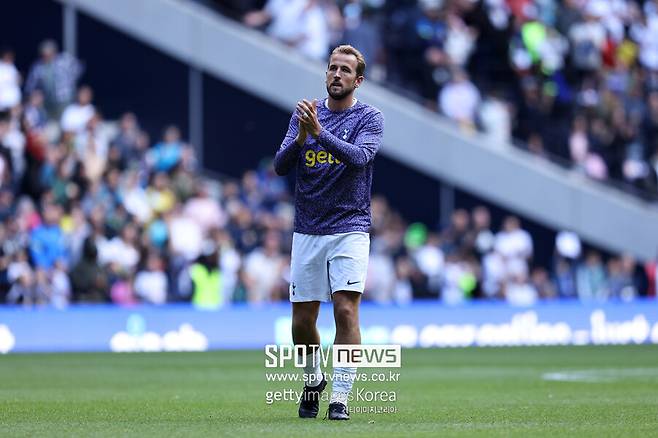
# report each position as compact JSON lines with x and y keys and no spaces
{"x":322,"y":265}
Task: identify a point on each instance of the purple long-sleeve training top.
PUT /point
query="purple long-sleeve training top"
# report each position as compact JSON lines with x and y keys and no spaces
{"x":334,"y":171}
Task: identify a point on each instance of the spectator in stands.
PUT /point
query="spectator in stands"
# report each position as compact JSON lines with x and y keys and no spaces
{"x":403,"y":286}
{"x":6,"y":204}
{"x":381,"y":280}
{"x":92,"y":147}
{"x":300,"y":24}
{"x":47,"y":242}
{"x":645,"y":32}
{"x":638,"y":276}
{"x":151,"y":283}
{"x":76,"y":231}
{"x":56,"y":75}
{"x":493,"y":275}
{"x":568,"y":246}
{"x":10,"y":150}
{"x":185,"y":235}
{"x":10,"y":91}
{"x":430,"y":260}
{"x":77,"y":115}
{"x":130,"y":141}
{"x":206,"y":278}
{"x":362,"y":30}
{"x":459,"y":281}
{"x":520,"y":292}
{"x":591,"y":278}
{"x":588,"y":39}
{"x":204,"y":209}
{"x":241,"y":226}
{"x":55,"y":286}
{"x":565,"y":279}
{"x":22,"y":279}
{"x":431,"y":31}
{"x":166,"y":155}
{"x":161,"y":198}
{"x":482,"y":238}
{"x":514,"y":244}
{"x":495,"y":118}
{"x":460,"y":37}
{"x":542,"y":282}
{"x":120,"y":254}
{"x":459,"y":99}
{"x":620,"y":283}
{"x":6,"y":169}
{"x":264,"y":268}
{"x":454,"y":237}
{"x":230,"y":261}
{"x":651,"y":270}
{"x":134,"y":197}
{"x":88,"y":280}
{"x":14,"y":139}
{"x":35,"y":113}
{"x":97,"y":195}
{"x":650,"y":135}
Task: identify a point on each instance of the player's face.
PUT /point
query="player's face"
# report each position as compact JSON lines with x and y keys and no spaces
{"x":342,"y":79}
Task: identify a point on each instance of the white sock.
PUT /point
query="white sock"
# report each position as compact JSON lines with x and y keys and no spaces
{"x":312,"y":373}
{"x":342,"y":384}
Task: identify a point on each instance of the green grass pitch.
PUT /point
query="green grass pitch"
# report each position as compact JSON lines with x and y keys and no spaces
{"x":595,"y":391}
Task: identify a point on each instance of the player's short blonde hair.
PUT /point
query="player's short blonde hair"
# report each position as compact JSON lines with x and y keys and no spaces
{"x":346,"y":49}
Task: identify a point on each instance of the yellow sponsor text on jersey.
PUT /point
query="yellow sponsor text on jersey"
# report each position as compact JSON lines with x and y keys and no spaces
{"x":320,"y":157}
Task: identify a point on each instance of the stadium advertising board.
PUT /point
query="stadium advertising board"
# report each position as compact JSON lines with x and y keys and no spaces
{"x":183,"y":328}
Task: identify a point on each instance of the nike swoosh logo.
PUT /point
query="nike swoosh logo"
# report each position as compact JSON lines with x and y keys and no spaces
{"x":350,"y":283}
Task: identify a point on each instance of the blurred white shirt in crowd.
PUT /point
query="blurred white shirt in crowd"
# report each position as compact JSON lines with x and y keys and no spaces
{"x":229,"y":265}
{"x":10,"y":90}
{"x":14,"y":140}
{"x":511,"y":244}
{"x":75,"y":117}
{"x":151,"y":286}
{"x":568,"y":244}
{"x":264,"y":272}
{"x":521,"y":293}
{"x":380,"y":279}
{"x":648,"y":39}
{"x":136,"y":203}
{"x":452,"y":293}
{"x":496,"y":121}
{"x":459,"y":100}
{"x":493,"y":270}
{"x":118,"y":252}
{"x":206,"y":212}
{"x":186,"y":237}
{"x":587,"y":39}
{"x":431,"y":262}
{"x":300,"y":23}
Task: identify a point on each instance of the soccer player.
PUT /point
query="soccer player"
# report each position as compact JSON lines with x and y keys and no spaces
{"x":331,"y":143}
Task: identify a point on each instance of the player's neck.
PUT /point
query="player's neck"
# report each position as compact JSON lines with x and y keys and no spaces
{"x":342,"y":104}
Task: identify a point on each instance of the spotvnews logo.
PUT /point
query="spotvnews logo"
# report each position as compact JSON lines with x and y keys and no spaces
{"x":347,"y":355}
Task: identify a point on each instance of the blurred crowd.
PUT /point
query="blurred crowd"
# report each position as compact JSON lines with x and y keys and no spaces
{"x":94,"y":211}
{"x":469,"y":260}
{"x":573,"y":80}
